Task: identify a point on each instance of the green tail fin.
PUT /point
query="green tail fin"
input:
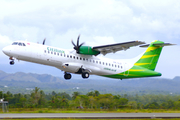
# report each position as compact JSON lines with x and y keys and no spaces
{"x":151,"y":56}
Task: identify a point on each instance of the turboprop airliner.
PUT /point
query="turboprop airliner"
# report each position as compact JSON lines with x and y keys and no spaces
{"x":86,"y":60}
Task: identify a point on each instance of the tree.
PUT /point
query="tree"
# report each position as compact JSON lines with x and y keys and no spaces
{"x":82,"y":100}
{"x":132,"y":104}
{"x":74,"y":95}
{"x":35,"y":96}
{"x":123,"y":101}
{"x":177,"y":104}
{"x":95,"y":93}
{"x":105,"y":101}
{"x":92,"y":101}
{"x":23,"y":101}
{"x":42,"y":100}
{"x":153,"y":105}
{"x":38,"y":97}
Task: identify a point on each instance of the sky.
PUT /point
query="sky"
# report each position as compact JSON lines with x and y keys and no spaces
{"x":99,"y":22}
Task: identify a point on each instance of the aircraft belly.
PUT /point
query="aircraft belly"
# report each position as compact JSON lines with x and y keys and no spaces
{"x":71,"y":67}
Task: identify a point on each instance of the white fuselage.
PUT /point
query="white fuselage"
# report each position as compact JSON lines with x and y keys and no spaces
{"x":66,"y":60}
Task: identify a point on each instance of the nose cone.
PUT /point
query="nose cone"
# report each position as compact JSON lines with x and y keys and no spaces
{"x":6,"y":50}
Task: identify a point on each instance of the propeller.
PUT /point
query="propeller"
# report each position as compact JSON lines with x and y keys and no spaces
{"x":77,"y":46}
{"x":44,"y":41}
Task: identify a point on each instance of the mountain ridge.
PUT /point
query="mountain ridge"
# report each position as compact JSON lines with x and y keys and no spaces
{"x":46,"y":81}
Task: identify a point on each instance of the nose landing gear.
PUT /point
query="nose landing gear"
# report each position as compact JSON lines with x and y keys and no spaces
{"x":12,"y":61}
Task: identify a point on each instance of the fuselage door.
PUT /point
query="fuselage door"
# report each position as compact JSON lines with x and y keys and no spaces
{"x":126,"y":71}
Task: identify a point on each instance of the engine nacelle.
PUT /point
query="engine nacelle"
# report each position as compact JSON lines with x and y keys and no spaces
{"x":87,"y":50}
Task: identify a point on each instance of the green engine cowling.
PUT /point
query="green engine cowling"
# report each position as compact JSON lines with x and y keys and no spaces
{"x":87,"y":50}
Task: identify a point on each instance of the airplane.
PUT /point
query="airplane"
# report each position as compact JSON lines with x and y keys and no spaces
{"x":86,"y":61}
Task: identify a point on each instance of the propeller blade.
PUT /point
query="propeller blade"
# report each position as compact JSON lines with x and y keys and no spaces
{"x":73,"y":43}
{"x":81,"y":44}
{"x":77,"y":46}
{"x":78,"y":40}
{"x":44,"y":41}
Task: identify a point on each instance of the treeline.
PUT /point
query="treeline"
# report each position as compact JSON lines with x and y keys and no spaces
{"x":92,"y":100}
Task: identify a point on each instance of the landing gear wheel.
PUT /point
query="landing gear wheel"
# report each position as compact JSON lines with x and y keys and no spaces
{"x":11,"y":62}
{"x":85,"y":75}
{"x":67,"y":76}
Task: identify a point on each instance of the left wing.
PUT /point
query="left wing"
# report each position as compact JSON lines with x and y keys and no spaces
{"x":116,"y":47}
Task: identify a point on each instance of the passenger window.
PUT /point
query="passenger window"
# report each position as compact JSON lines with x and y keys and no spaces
{"x":103,"y":63}
{"x":64,"y":55}
{"x":58,"y":54}
{"x":74,"y":57}
{"x":48,"y":52}
{"x":77,"y":58}
{"x":24,"y":44}
{"x":99,"y":62}
{"x":54,"y":53}
{"x":96,"y":61}
{"x":51,"y":52}
{"x":84,"y":59}
{"x":67,"y":55}
{"x":80,"y":58}
{"x":70,"y":56}
{"x":44,"y":51}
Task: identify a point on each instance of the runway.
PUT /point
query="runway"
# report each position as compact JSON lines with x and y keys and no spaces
{"x":91,"y":115}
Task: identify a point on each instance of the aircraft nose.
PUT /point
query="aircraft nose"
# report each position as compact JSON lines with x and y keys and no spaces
{"x":6,"y":50}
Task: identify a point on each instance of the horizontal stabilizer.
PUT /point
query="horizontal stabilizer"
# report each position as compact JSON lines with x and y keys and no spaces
{"x":158,"y":44}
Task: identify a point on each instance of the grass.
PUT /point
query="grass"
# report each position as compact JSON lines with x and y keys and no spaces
{"x":47,"y":110}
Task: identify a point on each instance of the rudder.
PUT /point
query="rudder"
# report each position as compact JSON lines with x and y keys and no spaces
{"x":151,"y":56}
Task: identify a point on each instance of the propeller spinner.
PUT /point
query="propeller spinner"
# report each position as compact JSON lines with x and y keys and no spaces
{"x":77,"y":46}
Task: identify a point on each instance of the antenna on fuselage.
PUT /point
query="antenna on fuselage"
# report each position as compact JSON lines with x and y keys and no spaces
{"x":44,"y":41}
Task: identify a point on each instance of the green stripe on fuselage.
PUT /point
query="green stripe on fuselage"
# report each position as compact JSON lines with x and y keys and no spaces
{"x":135,"y":72}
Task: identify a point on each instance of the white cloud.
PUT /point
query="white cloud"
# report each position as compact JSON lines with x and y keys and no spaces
{"x":101,"y":40}
{"x":4,"y":40}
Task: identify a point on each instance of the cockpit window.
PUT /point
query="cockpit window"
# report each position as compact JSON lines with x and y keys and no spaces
{"x":15,"y":43}
{"x":20,"y":44}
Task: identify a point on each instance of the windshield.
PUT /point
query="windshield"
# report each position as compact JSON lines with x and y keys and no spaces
{"x":18,"y":43}
{"x":15,"y":43}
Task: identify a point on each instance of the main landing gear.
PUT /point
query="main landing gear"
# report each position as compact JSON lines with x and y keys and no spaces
{"x":12,"y":61}
{"x":85,"y":75}
{"x":68,"y":76}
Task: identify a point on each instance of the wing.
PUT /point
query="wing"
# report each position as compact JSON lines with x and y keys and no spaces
{"x":116,"y":47}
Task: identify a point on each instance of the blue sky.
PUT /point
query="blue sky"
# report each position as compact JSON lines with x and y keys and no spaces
{"x":98,"y":21}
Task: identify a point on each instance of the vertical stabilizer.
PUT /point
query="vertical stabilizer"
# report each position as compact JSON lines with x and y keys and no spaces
{"x":151,"y":56}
